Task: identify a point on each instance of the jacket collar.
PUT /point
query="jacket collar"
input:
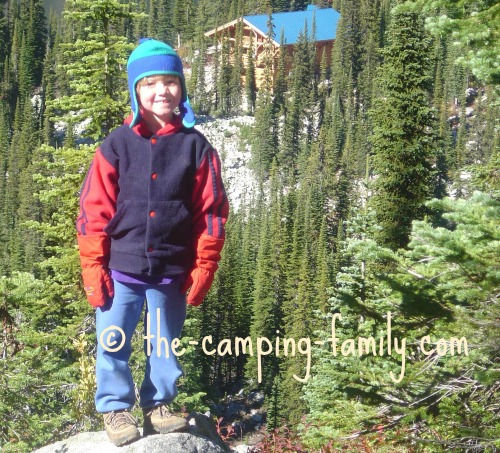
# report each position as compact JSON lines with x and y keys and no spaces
{"x":141,"y":129}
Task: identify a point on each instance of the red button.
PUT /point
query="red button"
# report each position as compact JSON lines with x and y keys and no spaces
{"x":153,"y":141}
{"x":152,"y":214}
{"x":150,"y":249}
{"x":154,"y":176}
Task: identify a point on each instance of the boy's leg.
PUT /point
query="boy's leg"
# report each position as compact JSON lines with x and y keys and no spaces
{"x":115,"y":325}
{"x":166,"y":306}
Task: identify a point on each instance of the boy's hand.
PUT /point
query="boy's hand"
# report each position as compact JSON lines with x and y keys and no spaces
{"x":97,"y":284}
{"x":94,"y":257}
{"x":201,"y":277}
{"x":200,"y":280}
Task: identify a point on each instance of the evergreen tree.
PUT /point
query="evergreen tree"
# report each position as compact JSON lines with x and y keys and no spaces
{"x":51,"y":313}
{"x":245,"y":281}
{"x":346,"y":53}
{"x":26,"y":71}
{"x":224,"y":78}
{"x":404,"y":139}
{"x":265,"y":136}
{"x":24,"y":244}
{"x":140,"y":20}
{"x":268,"y":293}
{"x":370,"y":54}
{"x":164,"y":26}
{"x":295,"y":142}
{"x":197,"y":81}
{"x":152,"y":20}
{"x":223,"y":317}
{"x":250,"y":86}
{"x":98,"y":85}
{"x":48,"y":93}
{"x":4,"y":149}
{"x":182,"y":13}
{"x":33,"y":15}
{"x":280,"y":81}
{"x":474,"y":25}
{"x":237,"y":67}
{"x":20,"y":154}
{"x":4,"y":35}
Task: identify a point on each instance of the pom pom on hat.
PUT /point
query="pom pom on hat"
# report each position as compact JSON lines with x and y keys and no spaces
{"x":155,"y":57}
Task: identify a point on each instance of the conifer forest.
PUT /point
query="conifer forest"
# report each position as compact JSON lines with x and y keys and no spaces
{"x":363,"y":265}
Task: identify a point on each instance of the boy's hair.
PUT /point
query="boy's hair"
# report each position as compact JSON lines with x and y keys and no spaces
{"x":143,"y":81}
{"x":152,"y":57}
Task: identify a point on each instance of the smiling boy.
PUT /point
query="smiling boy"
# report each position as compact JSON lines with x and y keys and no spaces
{"x":151,"y":226}
{"x":159,"y":96}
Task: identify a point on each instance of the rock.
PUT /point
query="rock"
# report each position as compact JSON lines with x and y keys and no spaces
{"x":241,"y":449}
{"x":235,"y":409}
{"x":201,"y":425}
{"x":202,"y":438}
{"x":257,"y":418}
{"x":97,"y":442}
{"x":470,"y":95}
{"x":256,"y":398}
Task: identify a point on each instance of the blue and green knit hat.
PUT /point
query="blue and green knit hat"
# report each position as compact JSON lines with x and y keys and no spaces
{"x":155,"y":57}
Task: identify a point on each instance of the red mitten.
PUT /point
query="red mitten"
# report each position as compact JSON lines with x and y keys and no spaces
{"x":94,"y":257}
{"x":200,"y":280}
{"x":97,"y":284}
{"x":201,"y":277}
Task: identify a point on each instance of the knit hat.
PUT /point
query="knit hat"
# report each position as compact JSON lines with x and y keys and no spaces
{"x":152,"y":57}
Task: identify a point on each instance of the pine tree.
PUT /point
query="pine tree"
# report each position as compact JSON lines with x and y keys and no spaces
{"x":474,"y":26}
{"x":33,"y":15}
{"x":26,"y":70}
{"x":250,"y":85}
{"x":48,"y":93}
{"x":25,"y":244}
{"x":268,"y":293}
{"x":404,"y":141}
{"x":237,"y":67}
{"x":98,"y":86}
{"x":4,"y":36}
{"x":19,"y":157}
{"x":295,"y":144}
{"x":140,"y":20}
{"x":245,"y":280}
{"x":223,"y":317}
{"x":280,"y":81}
{"x":265,"y":137}
{"x":182,"y":13}
{"x":152,"y":20}
{"x":4,"y":149}
{"x":346,"y":53}
{"x":224,"y":78}
{"x":370,"y":55}
{"x":196,"y":84}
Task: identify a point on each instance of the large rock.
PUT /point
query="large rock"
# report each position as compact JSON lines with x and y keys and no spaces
{"x":97,"y":442}
{"x":202,"y":438}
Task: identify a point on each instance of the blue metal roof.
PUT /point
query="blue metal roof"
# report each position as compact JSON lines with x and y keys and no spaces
{"x":293,"y":23}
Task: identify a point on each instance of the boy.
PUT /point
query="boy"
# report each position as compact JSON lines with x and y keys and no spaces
{"x":151,"y":226}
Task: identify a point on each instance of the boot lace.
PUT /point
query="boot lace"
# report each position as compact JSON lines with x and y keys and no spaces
{"x":119,"y":419}
{"x":159,"y":411}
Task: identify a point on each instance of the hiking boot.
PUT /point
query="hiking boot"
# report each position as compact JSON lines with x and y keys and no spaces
{"x":159,"y":420}
{"x":121,"y":427}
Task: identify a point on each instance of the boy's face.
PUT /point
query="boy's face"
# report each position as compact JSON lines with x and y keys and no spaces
{"x":159,"y":96}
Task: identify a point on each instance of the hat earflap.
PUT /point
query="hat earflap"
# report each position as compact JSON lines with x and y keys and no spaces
{"x":187,"y":114}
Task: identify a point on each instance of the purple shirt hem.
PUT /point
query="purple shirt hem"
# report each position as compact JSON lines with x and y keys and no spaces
{"x":125,"y":277}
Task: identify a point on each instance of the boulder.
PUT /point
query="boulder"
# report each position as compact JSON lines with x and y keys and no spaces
{"x":202,"y":438}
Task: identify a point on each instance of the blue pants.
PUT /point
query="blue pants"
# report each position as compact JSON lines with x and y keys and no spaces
{"x":115,"y":324}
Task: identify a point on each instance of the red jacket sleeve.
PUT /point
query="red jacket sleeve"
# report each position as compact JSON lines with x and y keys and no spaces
{"x":209,"y":201}
{"x":98,"y":197}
